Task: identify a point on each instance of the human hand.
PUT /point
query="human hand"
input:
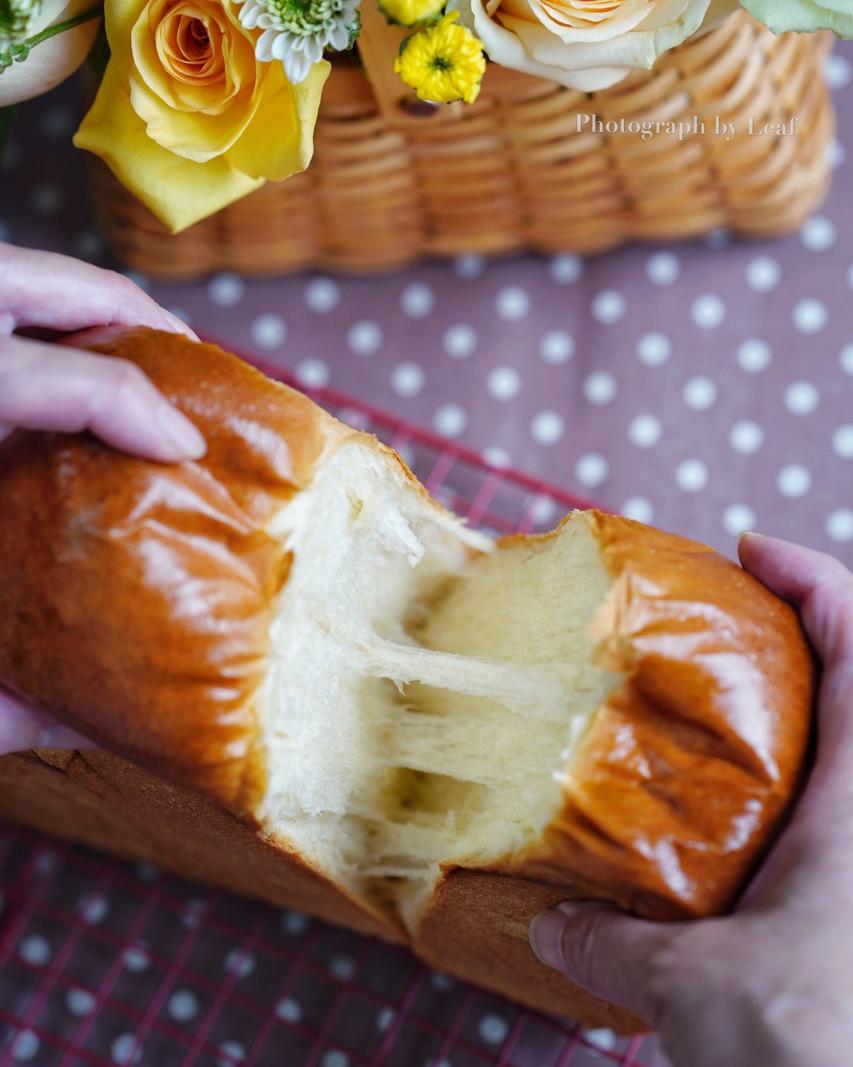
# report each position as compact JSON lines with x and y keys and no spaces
{"x":46,"y":387}
{"x":772,"y":983}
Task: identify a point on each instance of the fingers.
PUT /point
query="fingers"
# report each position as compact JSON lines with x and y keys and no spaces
{"x":56,"y":292}
{"x":820,"y":586}
{"x":43,"y":387}
{"x":612,"y":955}
{"x":810,"y":861}
{"x":23,"y":727}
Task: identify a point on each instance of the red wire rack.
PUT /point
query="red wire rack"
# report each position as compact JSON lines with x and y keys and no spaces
{"x":104,"y":963}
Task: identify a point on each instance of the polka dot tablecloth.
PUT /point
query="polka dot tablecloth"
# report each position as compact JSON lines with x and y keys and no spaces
{"x":705,"y":387}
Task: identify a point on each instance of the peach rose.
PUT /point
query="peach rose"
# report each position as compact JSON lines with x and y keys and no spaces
{"x":586,"y":44}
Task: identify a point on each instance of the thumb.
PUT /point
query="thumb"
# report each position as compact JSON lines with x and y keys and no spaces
{"x":613,"y":955}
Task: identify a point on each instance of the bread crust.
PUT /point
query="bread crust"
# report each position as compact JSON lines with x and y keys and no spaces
{"x":674,"y":792}
{"x":671,"y":798}
{"x":680,"y":782}
{"x":108,"y":803}
{"x":103,"y":555}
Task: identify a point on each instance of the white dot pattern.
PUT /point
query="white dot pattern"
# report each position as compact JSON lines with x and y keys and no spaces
{"x":407,"y":379}
{"x":450,"y":420}
{"x":460,"y":341}
{"x":547,"y":427}
{"x":754,"y":355}
{"x":125,"y":1049}
{"x":504,"y":383}
{"x":566,"y":269}
{"x":557,"y":347}
{"x":801,"y":398}
{"x":322,"y":295}
{"x":80,"y":1002}
{"x":810,"y":316}
{"x":794,"y":480}
{"x":842,"y":441}
{"x":746,"y":437}
{"x":365,"y":337}
{"x":25,"y":1046}
{"x":654,"y":349}
{"x":639,"y":508}
{"x":737,"y":518}
{"x":417,"y":300}
{"x":591,"y":470}
{"x":763,"y":274}
{"x":645,"y":431}
{"x":691,"y":475}
{"x":709,"y":311}
{"x":183,"y":1005}
{"x":289,"y":1010}
{"x":600,"y":388}
{"x":839,"y":526}
{"x":700,"y":393}
{"x":493,"y":1029}
{"x":512,"y":303}
{"x":226,"y":290}
{"x":663,"y":268}
{"x":609,"y":306}
{"x":35,"y":950}
{"x":269,"y":330}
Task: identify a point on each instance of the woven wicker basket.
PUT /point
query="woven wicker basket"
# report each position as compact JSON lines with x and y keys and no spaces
{"x":393,"y":180}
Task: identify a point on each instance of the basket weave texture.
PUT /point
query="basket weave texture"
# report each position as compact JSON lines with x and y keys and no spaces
{"x":392,"y":181}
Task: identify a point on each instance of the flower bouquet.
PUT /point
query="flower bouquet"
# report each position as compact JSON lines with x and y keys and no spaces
{"x":201,"y":102}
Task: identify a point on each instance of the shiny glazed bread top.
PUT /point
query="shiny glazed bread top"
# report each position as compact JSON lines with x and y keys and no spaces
{"x":291,"y":626}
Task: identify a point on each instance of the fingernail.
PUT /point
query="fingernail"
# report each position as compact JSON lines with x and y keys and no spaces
{"x":546,"y":938}
{"x":180,"y":326}
{"x":57,"y":736}
{"x":180,"y":432}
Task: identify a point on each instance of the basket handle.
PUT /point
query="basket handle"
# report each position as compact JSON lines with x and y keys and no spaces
{"x":378,"y":46}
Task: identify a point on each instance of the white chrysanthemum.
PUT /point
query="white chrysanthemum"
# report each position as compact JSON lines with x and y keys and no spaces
{"x":16,"y":18}
{"x":297,"y":32}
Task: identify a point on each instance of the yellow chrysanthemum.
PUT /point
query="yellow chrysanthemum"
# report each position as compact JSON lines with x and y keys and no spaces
{"x":443,"y":63}
{"x":411,"y":12}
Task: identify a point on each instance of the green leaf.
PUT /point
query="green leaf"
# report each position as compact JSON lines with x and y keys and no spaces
{"x":804,"y":16}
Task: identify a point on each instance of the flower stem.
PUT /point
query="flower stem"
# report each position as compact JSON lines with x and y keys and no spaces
{"x":21,"y":50}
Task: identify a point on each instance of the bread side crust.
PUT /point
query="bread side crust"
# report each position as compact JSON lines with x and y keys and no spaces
{"x":103,"y":801}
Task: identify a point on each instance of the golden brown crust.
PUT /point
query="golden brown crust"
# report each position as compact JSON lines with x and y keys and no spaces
{"x":685,"y":772}
{"x":674,"y":793}
{"x":679,"y":784}
{"x":476,"y":929}
{"x":104,"y":555}
{"x":105,"y":802}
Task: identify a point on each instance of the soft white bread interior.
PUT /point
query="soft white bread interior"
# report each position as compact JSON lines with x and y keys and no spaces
{"x":425,"y":693}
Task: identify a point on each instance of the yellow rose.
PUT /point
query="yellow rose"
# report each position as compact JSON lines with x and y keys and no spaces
{"x":586,"y":44}
{"x":187,"y":117}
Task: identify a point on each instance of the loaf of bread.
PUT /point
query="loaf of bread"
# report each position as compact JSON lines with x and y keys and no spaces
{"x":314,"y":685}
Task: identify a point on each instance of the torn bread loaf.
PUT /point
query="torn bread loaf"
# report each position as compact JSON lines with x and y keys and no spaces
{"x":318,"y":687}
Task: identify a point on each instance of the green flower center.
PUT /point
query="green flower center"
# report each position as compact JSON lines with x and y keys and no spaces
{"x":16,"y":17}
{"x":303,"y":17}
{"x":441,"y":63}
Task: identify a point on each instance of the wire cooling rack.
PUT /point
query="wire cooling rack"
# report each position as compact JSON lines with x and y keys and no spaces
{"x":104,"y":963}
